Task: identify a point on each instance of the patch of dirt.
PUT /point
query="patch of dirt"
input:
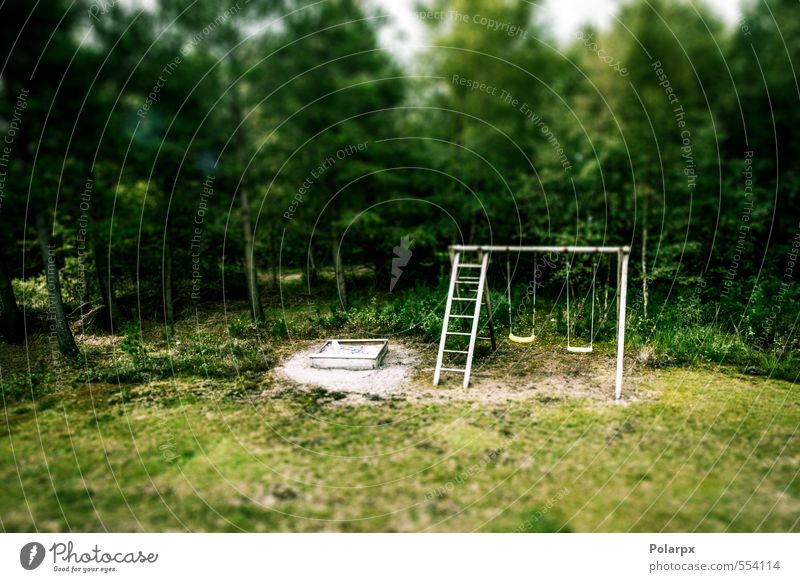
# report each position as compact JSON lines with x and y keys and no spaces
{"x":541,"y":374}
{"x":385,"y":381}
{"x":548,"y":374}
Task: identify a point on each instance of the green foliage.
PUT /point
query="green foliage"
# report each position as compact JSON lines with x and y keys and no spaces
{"x":243,"y":327}
{"x":415,"y":312}
{"x":132,"y":344}
{"x":28,"y":386}
{"x":280,"y":329}
{"x":31,"y":292}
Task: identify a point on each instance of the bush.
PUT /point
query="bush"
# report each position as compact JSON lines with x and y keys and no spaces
{"x":132,"y":343}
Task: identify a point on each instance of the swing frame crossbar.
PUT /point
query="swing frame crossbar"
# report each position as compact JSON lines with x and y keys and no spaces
{"x":623,"y":256}
{"x":539,"y":249}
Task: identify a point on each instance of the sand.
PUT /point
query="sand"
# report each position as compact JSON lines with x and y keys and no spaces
{"x":397,"y":368}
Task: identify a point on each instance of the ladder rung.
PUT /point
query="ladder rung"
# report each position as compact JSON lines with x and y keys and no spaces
{"x":474,"y":281}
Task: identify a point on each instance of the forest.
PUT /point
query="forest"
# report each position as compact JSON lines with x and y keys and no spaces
{"x":191,"y":191}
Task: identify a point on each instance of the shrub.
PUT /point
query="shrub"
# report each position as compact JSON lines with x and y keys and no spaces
{"x":132,"y":344}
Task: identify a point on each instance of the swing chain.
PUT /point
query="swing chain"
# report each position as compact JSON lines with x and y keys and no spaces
{"x":511,"y":336}
{"x":590,"y":347}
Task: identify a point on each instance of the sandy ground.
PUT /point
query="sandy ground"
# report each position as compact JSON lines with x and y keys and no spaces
{"x":397,"y":367}
{"x":512,"y":373}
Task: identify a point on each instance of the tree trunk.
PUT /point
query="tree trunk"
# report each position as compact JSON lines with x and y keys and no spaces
{"x":10,"y":317}
{"x":605,"y":292}
{"x":313,"y":273}
{"x":169,"y":308}
{"x":240,"y":146}
{"x":253,"y":295}
{"x":66,"y":342}
{"x":106,"y":284}
{"x":338,"y":270}
{"x":274,"y":270}
{"x":273,"y":250}
{"x":379,"y":278}
{"x":644,"y":260}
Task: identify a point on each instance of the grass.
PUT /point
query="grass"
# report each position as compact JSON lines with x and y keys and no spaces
{"x":161,"y":430}
{"x":708,"y":453}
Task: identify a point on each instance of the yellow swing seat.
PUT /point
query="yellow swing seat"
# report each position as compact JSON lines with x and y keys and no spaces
{"x":579,"y":349}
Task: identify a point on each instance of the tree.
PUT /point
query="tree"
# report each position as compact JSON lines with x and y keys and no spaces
{"x":668,"y":107}
{"x":329,"y":83}
{"x":35,"y":72}
{"x":11,"y":328}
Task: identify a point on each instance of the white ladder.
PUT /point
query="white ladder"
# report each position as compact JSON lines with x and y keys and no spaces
{"x":471,"y":283}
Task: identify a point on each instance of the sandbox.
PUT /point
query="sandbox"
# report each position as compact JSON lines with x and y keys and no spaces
{"x":397,"y":366}
{"x":350,"y":354}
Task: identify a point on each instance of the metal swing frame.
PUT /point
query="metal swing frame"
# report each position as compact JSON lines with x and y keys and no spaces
{"x":623,"y":257}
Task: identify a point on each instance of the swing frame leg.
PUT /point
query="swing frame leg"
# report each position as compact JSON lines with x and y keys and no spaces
{"x":623,"y":297}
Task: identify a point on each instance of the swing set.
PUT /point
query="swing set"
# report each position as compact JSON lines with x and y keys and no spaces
{"x":471,"y":289}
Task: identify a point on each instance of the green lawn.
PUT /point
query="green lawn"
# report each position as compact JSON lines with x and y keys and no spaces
{"x":703,"y":450}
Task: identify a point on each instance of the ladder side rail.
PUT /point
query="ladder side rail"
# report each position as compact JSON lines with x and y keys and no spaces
{"x":446,"y":320}
{"x":473,"y":336}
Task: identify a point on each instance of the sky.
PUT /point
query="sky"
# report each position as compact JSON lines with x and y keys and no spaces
{"x":569,"y":15}
{"x":565,"y":17}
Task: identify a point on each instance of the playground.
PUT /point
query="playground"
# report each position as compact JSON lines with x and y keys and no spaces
{"x":361,"y":366}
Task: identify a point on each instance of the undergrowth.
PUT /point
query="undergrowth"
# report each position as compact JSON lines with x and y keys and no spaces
{"x":677,"y":332}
